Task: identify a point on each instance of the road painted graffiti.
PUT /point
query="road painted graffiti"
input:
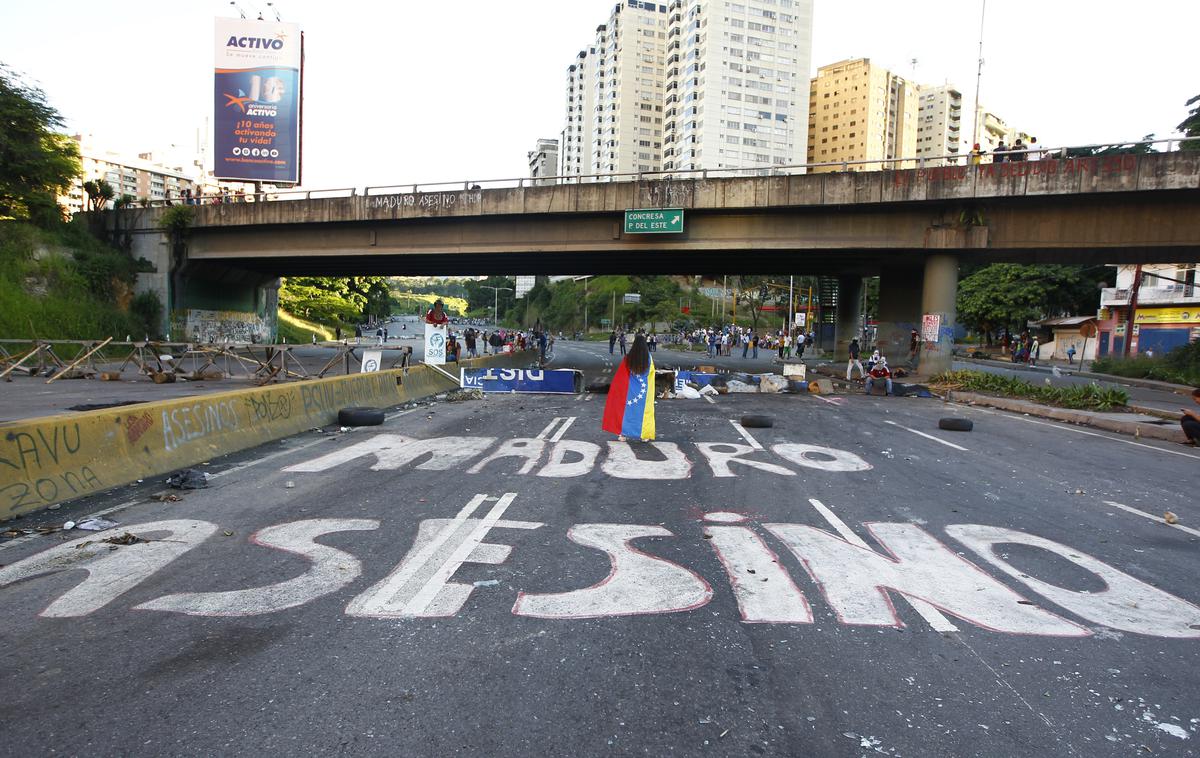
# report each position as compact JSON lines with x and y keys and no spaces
{"x":856,"y":582}
{"x":571,"y":458}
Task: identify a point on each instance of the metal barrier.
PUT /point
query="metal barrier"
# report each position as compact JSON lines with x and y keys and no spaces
{"x":879,"y":164}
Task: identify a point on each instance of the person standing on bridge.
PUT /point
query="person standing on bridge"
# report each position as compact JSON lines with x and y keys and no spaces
{"x":437,"y":314}
{"x":629,"y":409}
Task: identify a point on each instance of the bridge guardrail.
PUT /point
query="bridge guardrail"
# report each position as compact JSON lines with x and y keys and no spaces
{"x":880,"y":164}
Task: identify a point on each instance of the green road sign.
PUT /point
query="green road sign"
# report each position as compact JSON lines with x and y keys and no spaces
{"x":605,"y":322}
{"x":654,"y":221}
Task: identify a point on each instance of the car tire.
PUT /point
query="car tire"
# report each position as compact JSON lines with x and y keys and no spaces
{"x":599,"y":387}
{"x":956,"y":424}
{"x":756,"y":421}
{"x":360,"y":417}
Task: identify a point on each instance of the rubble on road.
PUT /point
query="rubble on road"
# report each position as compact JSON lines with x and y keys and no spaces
{"x":458,"y":396}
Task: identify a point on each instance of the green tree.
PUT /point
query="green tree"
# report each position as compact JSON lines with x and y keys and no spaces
{"x":334,"y":300}
{"x":1008,"y":295}
{"x":37,"y":163}
{"x":1191,"y":126}
{"x":99,"y":193}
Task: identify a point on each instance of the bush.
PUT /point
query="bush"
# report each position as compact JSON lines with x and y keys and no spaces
{"x":1180,"y":366}
{"x":1090,"y":397}
{"x":147,"y":310}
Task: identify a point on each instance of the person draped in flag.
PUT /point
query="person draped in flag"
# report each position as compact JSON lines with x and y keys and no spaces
{"x":629,"y":410}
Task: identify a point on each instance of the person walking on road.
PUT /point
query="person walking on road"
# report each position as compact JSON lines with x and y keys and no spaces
{"x":612,"y":340}
{"x":745,"y":343}
{"x":1191,"y":421}
{"x":621,"y":340}
{"x":629,"y":409}
{"x":854,"y":360}
{"x":753,"y":345}
{"x":880,"y":373}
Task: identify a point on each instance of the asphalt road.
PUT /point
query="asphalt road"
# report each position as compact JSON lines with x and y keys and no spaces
{"x":501,"y":578}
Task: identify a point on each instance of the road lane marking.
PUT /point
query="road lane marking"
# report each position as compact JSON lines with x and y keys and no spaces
{"x":746,"y":435}
{"x":1064,"y":427}
{"x":434,"y":585}
{"x":1152,"y":517}
{"x":551,"y":425}
{"x":928,"y":436}
{"x":831,"y":400}
{"x":563,"y":429}
{"x":932,"y":615}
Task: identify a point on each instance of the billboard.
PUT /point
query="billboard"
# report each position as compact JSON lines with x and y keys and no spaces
{"x":256,"y":91}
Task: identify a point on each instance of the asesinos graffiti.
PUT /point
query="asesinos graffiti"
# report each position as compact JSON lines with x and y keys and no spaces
{"x":857,"y":582}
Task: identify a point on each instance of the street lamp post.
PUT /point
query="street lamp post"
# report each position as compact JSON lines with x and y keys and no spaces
{"x":496,"y":303}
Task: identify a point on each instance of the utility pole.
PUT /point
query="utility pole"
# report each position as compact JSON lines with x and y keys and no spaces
{"x":791,"y":315}
{"x":724,"y":295}
{"x":496,"y":302}
{"x":978,"y":74}
{"x":1133,"y":296}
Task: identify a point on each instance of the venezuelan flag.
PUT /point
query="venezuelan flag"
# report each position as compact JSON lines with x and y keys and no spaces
{"x":629,"y":409}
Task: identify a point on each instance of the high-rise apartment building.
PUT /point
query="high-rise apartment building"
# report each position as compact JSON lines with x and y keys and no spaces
{"x":693,"y":85}
{"x":736,"y":84}
{"x":861,"y":112}
{"x":615,"y":95}
{"x":939,"y":126}
{"x":543,"y":161}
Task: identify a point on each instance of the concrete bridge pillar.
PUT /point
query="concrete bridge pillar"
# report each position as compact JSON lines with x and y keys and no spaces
{"x":938,"y":300}
{"x":849,"y":307}
{"x":899,"y":312}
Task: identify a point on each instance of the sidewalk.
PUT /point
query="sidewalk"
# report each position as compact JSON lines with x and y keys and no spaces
{"x":1066,"y":370}
{"x":1134,"y":424}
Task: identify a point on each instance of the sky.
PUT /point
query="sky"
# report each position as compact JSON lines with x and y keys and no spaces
{"x":404,"y":91}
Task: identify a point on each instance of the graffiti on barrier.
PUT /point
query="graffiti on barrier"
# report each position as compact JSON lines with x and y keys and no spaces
{"x":330,"y":396}
{"x":270,"y":406}
{"x":50,"y":461}
{"x":202,"y":419}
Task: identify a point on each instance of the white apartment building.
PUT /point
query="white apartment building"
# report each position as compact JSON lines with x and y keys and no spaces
{"x":543,"y":161}
{"x":939,"y":124}
{"x":141,"y":178}
{"x":737,"y":81}
{"x":615,"y":95}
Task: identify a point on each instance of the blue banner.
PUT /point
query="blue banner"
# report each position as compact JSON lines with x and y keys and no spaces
{"x":555,"y":381}
{"x":256,"y":123}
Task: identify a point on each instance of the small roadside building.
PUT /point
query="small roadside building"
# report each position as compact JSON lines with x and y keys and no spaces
{"x":1057,"y":335}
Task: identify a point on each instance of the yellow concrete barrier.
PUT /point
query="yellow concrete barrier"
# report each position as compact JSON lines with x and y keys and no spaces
{"x":54,"y":459}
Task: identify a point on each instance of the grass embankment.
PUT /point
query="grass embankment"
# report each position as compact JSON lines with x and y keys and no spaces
{"x":1180,"y":366}
{"x":1090,"y":397}
{"x":407,"y":302}
{"x":296,"y":330}
{"x":62,"y":283}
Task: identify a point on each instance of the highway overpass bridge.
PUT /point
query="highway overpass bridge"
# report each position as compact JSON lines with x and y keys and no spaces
{"x":910,"y":227}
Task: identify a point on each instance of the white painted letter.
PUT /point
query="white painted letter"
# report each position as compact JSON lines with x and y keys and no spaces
{"x":637,"y":583}
{"x":420,"y":587}
{"x":558,"y":468}
{"x":719,"y":460}
{"x":855,"y":580}
{"x":331,"y":570}
{"x":529,"y":449}
{"x":1127,"y":603}
{"x":110,"y":573}
{"x":621,"y":463}
{"x":393,"y":451}
{"x":765,"y":591}
{"x":802,"y":455}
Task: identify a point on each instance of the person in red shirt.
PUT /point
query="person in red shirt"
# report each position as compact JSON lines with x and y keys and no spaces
{"x":436,"y":315}
{"x":880,"y":372}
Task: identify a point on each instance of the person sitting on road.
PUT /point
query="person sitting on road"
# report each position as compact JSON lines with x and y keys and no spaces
{"x":1191,"y":421}
{"x":880,"y":372}
{"x":873,"y":359}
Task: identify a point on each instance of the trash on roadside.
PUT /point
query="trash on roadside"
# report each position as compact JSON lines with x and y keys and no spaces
{"x":68,"y":525}
{"x":168,"y":497}
{"x":189,"y":479}
{"x":687,"y":392}
{"x":487,"y":583}
{"x":96,"y":524}
{"x":458,"y":396}
{"x":708,"y":389}
{"x":740,"y":387}
{"x":128,"y":538}
{"x":1170,"y":518}
{"x":772,"y":383}
{"x":289,"y":485}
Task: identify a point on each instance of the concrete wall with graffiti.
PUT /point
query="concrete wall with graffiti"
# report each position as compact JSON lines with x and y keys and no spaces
{"x":58,"y":458}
